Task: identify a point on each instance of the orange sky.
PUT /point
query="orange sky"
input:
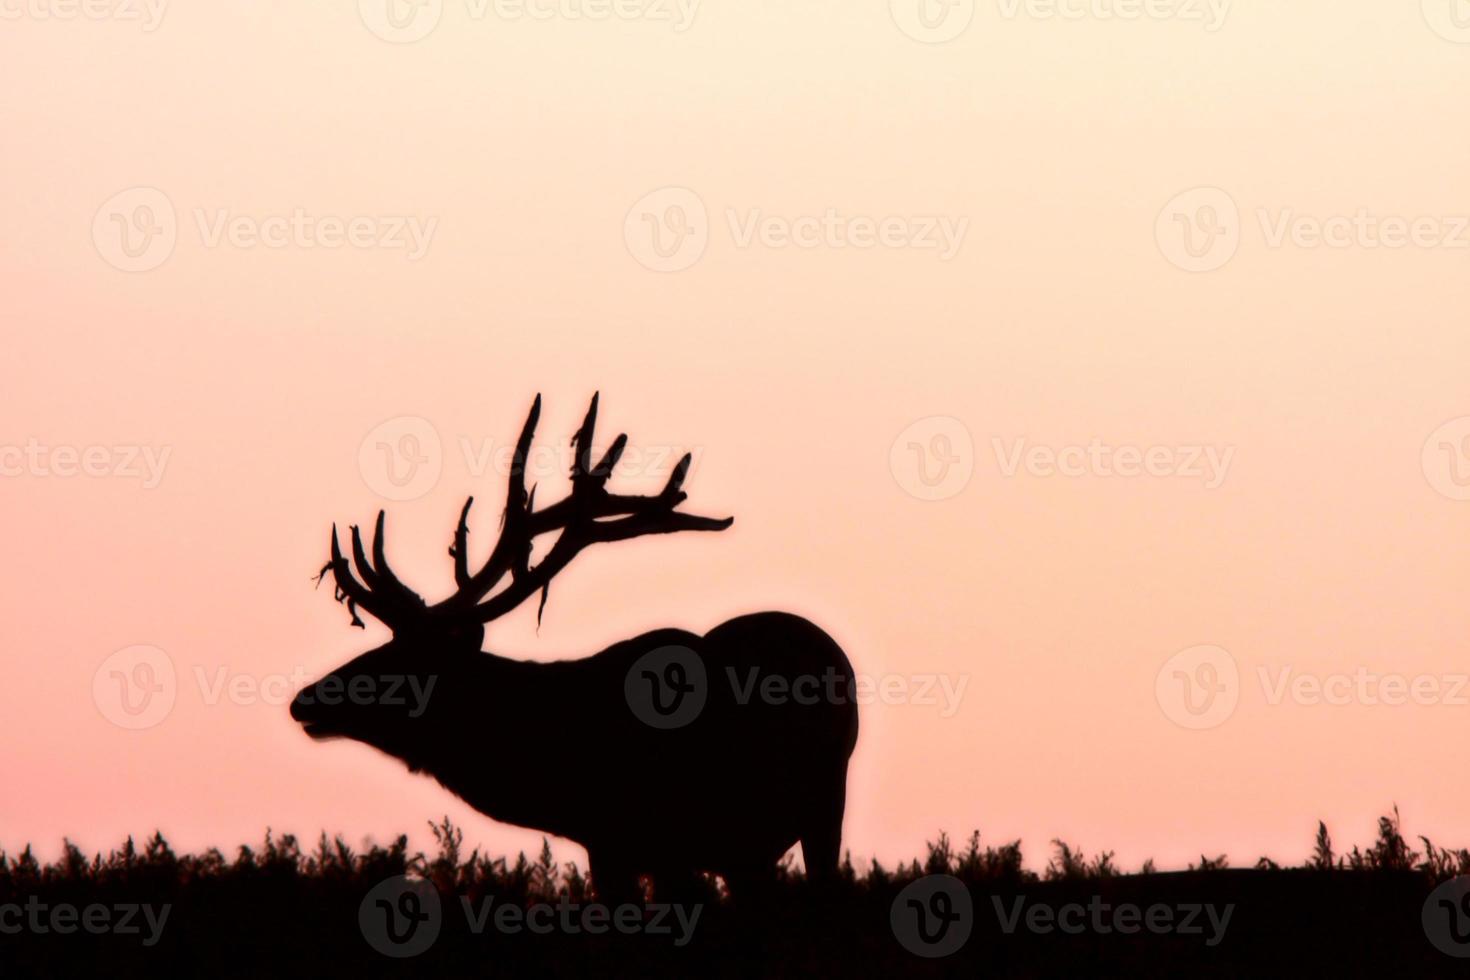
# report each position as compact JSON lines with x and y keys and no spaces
{"x":832,"y":258}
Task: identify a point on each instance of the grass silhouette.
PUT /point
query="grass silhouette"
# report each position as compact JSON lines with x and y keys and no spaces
{"x":285,"y":910}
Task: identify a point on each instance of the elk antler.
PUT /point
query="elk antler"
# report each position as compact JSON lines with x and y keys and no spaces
{"x":588,"y":515}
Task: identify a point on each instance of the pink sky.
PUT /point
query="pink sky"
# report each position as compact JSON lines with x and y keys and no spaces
{"x":1056,"y":150}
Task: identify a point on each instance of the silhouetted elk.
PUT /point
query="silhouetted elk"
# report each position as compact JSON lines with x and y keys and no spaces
{"x":666,"y":755}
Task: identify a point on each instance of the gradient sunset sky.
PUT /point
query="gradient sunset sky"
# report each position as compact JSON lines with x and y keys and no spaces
{"x":609,"y":204}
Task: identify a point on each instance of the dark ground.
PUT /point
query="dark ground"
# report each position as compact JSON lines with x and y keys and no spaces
{"x":277,"y":911}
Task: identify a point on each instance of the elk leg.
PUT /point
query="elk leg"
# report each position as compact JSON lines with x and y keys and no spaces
{"x":614,"y":880}
{"x":821,"y":836}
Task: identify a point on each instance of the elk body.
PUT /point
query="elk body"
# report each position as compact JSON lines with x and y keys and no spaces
{"x":664,"y":755}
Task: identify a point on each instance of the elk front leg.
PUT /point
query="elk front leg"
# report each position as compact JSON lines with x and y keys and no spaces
{"x":614,"y":880}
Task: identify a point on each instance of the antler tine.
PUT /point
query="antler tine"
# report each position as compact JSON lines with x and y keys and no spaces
{"x":379,"y":592}
{"x":365,"y":569}
{"x":604,"y":467}
{"x":386,"y":579}
{"x":348,"y":589}
{"x":459,"y":550}
{"x":514,"y":545}
{"x":676,"y":478}
{"x":588,"y":515}
{"x":582,"y":442}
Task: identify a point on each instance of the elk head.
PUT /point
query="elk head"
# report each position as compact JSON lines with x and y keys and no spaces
{"x":378,"y":697}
